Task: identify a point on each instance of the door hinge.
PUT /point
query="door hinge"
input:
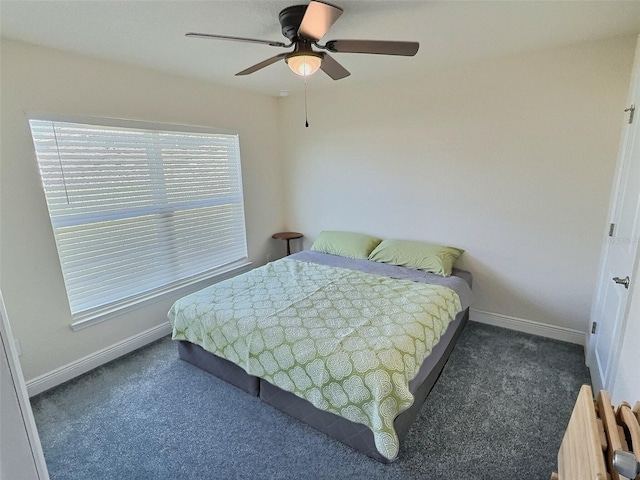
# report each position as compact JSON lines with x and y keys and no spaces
{"x":594,"y":327}
{"x":631,"y":110}
{"x":611,"y":227}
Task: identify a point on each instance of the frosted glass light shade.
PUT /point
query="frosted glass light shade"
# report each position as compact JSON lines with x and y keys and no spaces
{"x":304,"y":65}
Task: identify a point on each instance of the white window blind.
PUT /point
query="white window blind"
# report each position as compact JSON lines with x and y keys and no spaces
{"x":137,"y":212}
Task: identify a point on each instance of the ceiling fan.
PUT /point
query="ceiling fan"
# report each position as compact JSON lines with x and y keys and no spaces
{"x":304,"y":26}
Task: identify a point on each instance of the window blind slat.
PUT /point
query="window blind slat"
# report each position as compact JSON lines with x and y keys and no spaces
{"x":136,"y":210}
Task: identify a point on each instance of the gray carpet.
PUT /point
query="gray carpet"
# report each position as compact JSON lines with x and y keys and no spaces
{"x":499,"y":410}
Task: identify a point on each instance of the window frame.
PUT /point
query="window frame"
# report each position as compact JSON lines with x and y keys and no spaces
{"x":98,"y":314}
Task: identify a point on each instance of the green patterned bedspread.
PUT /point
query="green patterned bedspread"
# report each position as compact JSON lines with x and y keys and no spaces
{"x":349,"y":342}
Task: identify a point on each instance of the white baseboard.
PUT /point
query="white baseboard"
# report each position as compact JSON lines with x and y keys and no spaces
{"x":529,"y":326}
{"x":94,"y":360}
{"x":84,"y":364}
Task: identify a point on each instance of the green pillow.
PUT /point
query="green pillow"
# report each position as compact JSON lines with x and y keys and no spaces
{"x":345,"y":244}
{"x":419,"y":255}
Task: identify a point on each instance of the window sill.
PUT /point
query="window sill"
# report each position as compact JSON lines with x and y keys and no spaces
{"x":100,"y":314}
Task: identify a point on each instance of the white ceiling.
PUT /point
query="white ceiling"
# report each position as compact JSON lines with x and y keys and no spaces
{"x":151,"y":33}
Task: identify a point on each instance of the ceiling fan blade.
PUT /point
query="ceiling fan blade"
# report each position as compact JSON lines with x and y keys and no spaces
{"x":318,"y":19}
{"x":333,"y":68}
{"x":235,"y":39}
{"x":381,"y":47}
{"x":262,"y":64}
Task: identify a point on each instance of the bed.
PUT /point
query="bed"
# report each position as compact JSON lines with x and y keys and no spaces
{"x":351,"y":347}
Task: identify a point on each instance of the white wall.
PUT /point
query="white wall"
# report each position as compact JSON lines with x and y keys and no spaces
{"x":510,"y":159}
{"x":41,"y":80}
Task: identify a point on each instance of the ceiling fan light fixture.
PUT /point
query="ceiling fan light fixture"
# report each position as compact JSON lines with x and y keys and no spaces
{"x":304,"y":65}
{"x":304,"y":26}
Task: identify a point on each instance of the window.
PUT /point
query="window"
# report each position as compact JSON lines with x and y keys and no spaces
{"x":139,"y":211}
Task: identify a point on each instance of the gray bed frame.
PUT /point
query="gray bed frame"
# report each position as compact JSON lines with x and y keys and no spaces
{"x":356,"y":435}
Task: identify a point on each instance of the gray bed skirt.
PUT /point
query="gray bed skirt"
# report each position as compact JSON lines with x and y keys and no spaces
{"x":356,"y":435}
{"x":219,"y":367}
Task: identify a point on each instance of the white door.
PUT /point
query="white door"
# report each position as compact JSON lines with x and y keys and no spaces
{"x":21,"y":454}
{"x":620,"y":249}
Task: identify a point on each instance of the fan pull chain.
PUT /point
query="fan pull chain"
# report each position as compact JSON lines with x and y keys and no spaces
{"x":306,"y":117}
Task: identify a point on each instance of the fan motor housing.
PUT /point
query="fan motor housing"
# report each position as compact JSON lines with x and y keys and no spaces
{"x":290,"y":20}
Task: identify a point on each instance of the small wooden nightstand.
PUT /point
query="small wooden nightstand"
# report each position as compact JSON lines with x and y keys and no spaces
{"x":288,"y":236}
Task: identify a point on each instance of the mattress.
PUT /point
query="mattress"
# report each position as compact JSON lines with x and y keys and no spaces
{"x":356,"y":297}
{"x":356,"y":435}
